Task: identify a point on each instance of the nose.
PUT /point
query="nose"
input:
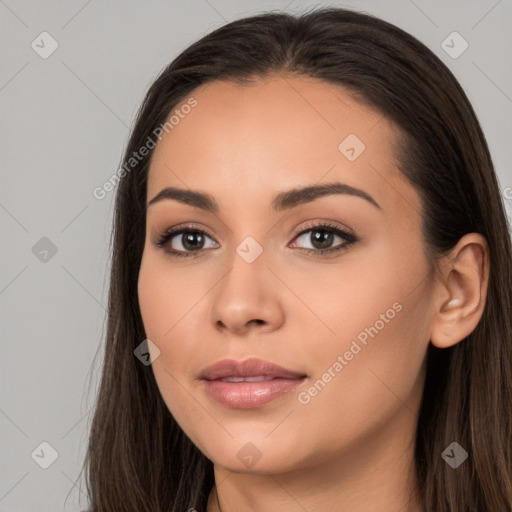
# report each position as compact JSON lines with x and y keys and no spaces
{"x":247,"y":299}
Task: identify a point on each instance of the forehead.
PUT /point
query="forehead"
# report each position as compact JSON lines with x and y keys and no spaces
{"x":246,"y":142}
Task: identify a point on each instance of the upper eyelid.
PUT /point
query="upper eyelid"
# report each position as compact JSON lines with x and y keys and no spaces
{"x":325,"y":224}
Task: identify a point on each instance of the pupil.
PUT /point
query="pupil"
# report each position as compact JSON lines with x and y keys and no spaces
{"x":192,"y":241}
{"x":321,"y":239}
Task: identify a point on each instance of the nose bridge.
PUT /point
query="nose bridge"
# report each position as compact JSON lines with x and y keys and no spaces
{"x":244,"y":295}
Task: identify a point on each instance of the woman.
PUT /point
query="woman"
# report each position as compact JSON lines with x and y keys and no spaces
{"x":310,"y":289}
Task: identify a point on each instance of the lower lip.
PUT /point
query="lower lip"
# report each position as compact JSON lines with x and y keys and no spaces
{"x":248,"y":395}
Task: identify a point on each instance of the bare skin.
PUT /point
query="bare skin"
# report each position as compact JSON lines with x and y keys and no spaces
{"x":350,"y":445}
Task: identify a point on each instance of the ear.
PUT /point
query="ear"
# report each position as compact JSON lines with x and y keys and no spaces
{"x":461,"y":290}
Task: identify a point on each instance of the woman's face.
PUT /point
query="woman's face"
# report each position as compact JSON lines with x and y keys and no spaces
{"x":250,"y":279}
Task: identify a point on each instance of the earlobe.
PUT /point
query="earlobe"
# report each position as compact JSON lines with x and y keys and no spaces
{"x":461,"y":290}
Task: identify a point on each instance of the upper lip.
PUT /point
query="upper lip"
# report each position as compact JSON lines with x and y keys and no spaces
{"x":251,"y":367}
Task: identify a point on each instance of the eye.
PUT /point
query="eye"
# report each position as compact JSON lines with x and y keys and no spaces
{"x":184,"y":241}
{"x":324,"y":238}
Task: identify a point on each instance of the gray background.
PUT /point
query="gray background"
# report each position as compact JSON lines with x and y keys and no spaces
{"x":64,"y":122}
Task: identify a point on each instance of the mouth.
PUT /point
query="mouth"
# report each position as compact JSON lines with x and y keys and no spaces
{"x":249,"y":368}
{"x":257,"y":378}
{"x":248,"y":384}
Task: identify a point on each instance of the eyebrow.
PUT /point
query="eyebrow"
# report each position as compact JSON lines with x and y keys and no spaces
{"x":282,"y":201}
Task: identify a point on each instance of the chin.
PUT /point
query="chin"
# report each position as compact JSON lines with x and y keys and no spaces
{"x":249,"y":455}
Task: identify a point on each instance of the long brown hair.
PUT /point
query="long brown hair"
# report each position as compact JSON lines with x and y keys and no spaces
{"x":138,"y":458}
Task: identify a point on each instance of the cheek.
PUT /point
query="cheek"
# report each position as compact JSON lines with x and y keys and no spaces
{"x":365,"y":378}
{"x":164,"y":301}
{"x":166,"y":295}
{"x":162,"y":304}
{"x":340,"y":300}
{"x":152,"y":307}
{"x":375,"y":336}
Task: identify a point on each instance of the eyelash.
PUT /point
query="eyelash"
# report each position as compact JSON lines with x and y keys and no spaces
{"x":168,"y":234}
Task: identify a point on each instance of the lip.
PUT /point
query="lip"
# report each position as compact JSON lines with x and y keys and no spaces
{"x":248,"y":395}
{"x":247,"y":368}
